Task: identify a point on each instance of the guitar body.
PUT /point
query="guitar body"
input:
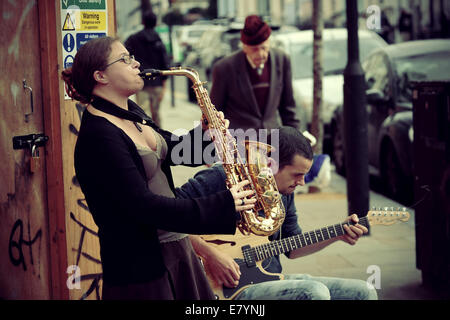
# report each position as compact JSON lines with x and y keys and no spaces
{"x":232,"y":245}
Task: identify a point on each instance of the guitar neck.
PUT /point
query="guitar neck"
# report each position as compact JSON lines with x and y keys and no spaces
{"x":278,"y":247}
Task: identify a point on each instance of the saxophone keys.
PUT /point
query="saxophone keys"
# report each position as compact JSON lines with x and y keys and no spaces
{"x":265,"y":177}
{"x":271,"y":197}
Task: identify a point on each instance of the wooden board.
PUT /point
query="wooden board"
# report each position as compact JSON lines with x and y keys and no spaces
{"x":24,"y":241}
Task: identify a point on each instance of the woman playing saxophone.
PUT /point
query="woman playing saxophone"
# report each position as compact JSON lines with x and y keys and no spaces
{"x":122,"y":163}
{"x":268,"y":214}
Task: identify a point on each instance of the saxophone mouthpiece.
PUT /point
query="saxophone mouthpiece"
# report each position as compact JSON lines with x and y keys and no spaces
{"x":150,"y":73}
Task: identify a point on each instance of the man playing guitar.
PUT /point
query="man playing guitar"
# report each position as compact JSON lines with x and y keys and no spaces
{"x":295,"y":160}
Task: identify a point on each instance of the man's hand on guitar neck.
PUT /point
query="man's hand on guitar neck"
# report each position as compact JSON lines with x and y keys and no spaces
{"x":351,"y":236}
{"x":353,"y":232}
{"x":219,"y":266}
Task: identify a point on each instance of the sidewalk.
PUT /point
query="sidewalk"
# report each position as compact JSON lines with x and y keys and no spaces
{"x":388,"y":250}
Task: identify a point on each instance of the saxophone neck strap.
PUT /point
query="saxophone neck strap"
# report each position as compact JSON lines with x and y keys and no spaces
{"x":133,"y":113}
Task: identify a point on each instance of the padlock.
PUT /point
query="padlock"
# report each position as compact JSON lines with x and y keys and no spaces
{"x":35,"y":160}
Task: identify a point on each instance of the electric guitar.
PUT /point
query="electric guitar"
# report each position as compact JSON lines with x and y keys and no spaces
{"x":250,"y":250}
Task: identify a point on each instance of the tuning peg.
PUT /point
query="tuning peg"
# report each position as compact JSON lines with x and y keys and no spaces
{"x":405,"y":212}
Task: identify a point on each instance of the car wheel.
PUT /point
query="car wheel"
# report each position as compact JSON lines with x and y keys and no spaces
{"x":394,"y":180}
{"x":338,"y":150}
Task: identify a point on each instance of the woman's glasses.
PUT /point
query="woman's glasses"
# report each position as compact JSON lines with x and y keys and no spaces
{"x":127,"y":58}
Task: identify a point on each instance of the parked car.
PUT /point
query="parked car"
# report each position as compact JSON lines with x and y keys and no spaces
{"x":220,"y":40}
{"x":299,"y":46}
{"x":188,"y":36}
{"x":390,"y":73}
{"x":212,"y":46}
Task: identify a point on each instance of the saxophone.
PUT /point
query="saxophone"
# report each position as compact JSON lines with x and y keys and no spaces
{"x":268,"y":214}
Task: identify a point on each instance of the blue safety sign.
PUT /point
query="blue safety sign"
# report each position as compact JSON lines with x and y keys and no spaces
{"x":69,"y":42}
{"x":68,"y":61}
{"x":82,"y":38}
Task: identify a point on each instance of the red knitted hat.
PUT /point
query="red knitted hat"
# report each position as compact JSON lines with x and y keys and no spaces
{"x":255,"y":31}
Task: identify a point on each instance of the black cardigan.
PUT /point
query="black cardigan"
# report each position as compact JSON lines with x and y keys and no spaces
{"x":112,"y":177}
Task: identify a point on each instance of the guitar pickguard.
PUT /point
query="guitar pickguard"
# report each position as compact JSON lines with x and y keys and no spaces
{"x":249,"y":275}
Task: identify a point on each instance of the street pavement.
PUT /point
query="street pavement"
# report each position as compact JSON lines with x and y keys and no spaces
{"x":386,"y":258}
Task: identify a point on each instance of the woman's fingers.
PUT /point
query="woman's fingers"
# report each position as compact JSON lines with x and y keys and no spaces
{"x":245,"y":204}
{"x":242,"y":198}
{"x":239,"y":186}
{"x":225,"y":122}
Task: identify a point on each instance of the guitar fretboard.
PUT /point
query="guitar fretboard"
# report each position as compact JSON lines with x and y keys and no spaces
{"x":277,"y":247}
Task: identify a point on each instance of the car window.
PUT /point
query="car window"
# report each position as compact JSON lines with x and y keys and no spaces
{"x":301,"y":61}
{"x":195,"y":33}
{"x":207,"y":38}
{"x":233,"y":40}
{"x":334,"y":54}
{"x":432,"y":66}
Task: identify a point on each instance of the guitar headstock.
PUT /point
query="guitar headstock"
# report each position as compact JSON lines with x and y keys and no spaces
{"x":387,"y":216}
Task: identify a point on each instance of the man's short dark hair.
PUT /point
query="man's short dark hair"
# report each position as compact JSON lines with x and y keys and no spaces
{"x":149,"y":19}
{"x":291,"y":142}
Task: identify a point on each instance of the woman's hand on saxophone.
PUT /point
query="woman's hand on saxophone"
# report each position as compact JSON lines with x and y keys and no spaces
{"x":242,"y":198}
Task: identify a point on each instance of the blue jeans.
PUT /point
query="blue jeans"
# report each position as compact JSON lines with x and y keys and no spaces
{"x":306,"y":287}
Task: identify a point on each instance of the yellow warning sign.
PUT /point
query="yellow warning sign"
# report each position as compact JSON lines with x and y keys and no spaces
{"x":92,"y":20}
{"x":68,"y":23}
